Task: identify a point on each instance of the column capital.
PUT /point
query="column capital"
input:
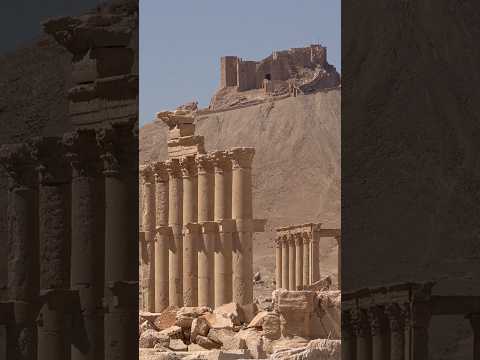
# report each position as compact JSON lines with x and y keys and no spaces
{"x":378,"y":319}
{"x":82,"y":151}
{"x":284,"y":241}
{"x":49,"y":156}
{"x":346,"y":321}
{"x":395,"y":316}
{"x":221,"y":161}
{"x":173,"y":168}
{"x":298,"y":238}
{"x":204,"y":163}
{"x":160,"y":171}
{"x":278,"y":242}
{"x":307,"y":237}
{"x":17,"y":161}
{"x":242,"y":157}
{"x":360,"y":322}
{"x":187,"y":166}
{"x":146,"y":174}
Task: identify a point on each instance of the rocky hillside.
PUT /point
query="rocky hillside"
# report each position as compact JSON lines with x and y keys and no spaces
{"x":296,"y":167}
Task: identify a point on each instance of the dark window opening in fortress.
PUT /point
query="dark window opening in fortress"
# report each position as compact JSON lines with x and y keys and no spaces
{"x":268,"y":77}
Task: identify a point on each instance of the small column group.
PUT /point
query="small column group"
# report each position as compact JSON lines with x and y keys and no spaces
{"x":297,"y":255}
{"x":207,"y":198}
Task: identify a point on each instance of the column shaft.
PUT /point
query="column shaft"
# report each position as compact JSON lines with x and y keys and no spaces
{"x":242,"y":261}
{"x":379,"y":330}
{"x":223,"y":263}
{"x":190,"y":238}
{"x":315,"y":259}
{"x":298,"y":262}
{"x":175,"y":218}
{"x":363,"y":336}
{"x":285,"y":263}
{"x":339,"y":261}
{"x":206,"y":289}
{"x":348,"y":337}
{"x":397,"y":332}
{"x":291,"y":266}
{"x":223,"y":186}
{"x":163,"y":237}
{"x":306,"y":260}
{"x":278,"y":264}
{"x":206,"y":188}
{"x":419,"y":330}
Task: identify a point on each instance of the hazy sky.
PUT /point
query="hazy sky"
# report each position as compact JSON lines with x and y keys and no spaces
{"x":181,"y":42}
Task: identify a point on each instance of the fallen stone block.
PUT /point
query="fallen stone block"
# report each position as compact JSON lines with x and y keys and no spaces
{"x":218,"y":321}
{"x":151,"y":337}
{"x":257,"y":321}
{"x":186,"y":315}
{"x":226,"y":337}
{"x":271,"y":326}
{"x":173,"y":332}
{"x":229,"y":355}
{"x":231,"y":311}
{"x":207,"y":343}
{"x":254,"y":342}
{"x":319,"y":349}
{"x":200,"y":326}
{"x":177,"y":345}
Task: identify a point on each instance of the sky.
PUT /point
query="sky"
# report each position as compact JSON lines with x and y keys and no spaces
{"x":181,"y":42}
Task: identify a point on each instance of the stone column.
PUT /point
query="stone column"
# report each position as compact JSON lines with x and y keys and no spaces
{"x":407,"y":327}
{"x":278,"y":263}
{"x":223,"y":186}
{"x":314,"y":258}
{"x":339,"y":260}
{"x":292,"y":256}
{"x":191,"y":233}
{"x":298,"y":262}
{"x":348,"y":337}
{"x":475,"y":323}
{"x":363,"y":335}
{"x":306,"y":259}
{"x":223,"y":262}
{"x":397,"y":332}
{"x":206,"y":188}
{"x":285,"y":262}
{"x":22,"y":239}
{"x":87,"y":243}
{"x":379,"y":330}
{"x":420,"y":320}
{"x":120,"y":169}
{"x":206,"y":288}
{"x":162,"y":238}
{"x":175,"y":218}
{"x":242,"y":212}
{"x":149,"y":228}
{"x":54,"y":230}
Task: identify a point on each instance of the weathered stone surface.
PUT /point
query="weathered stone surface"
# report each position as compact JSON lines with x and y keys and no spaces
{"x":186,"y":315}
{"x":226,"y":337}
{"x":319,"y":349}
{"x":229,"y":355}
{"x":271,"y":326}
{"x":144,"y":326}
{"x":326,"y":322}
{"x":152,"y":354}
{"x":162,"y":320}
{"x":195,"y":348}
{"x":200,"y":326}
{"x":177,"y":345}
{"x":254,"y":342}
{"x":207,"y":342}
{"x":151,"y":337}
{"x":231,"y":311}
{"x":296,"y":309}
{"x":218,"y":321}
{"x":173,"y":332}
{"x":257,"y":321}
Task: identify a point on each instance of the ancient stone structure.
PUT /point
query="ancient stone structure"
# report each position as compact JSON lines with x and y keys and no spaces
{"x":297,"y":257}
{"x":392,"y":322}
{"x":72,"y":269}
{"x":207,"y":199}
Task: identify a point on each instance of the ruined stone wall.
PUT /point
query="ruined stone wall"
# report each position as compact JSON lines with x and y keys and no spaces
{"x":247,"y":75}
{"x":228,"y":71}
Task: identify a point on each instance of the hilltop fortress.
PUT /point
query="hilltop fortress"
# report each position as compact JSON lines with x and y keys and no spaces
{"x":283,"y":73}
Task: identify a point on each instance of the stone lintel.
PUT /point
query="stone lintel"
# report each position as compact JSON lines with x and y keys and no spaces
{"x":250,"y":225}
{"x":242,"y":157}
{"x":309,"y":227}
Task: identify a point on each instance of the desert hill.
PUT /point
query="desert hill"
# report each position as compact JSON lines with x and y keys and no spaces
{"x":296,"y":169}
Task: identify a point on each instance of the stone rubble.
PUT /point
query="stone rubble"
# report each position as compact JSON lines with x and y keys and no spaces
{"x":303,"y":325}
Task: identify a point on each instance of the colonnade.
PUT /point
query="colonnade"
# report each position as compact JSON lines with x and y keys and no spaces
{"x":198,"y":217}
{"x":297,"y":255}
{"x":72,"y":271}
{"x":392,"y":323}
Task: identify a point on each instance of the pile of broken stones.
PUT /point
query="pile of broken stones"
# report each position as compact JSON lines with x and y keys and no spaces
{"x":303,"y":325}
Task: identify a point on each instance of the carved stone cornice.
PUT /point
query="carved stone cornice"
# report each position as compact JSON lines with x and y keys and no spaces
{"x":242,"y":157}
{"x":50,"y":158}
{"x":160,"y":171}
{"x":18,"y":163}
{"x":147,"y":174}
{"x":173,"y":168}
{"x":204,"y":164}
{"x":188,"y":166}
{"x":82,"y":152}
{"x":221,"y":161}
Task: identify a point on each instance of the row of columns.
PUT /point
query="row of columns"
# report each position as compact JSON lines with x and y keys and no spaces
{"x":206,"y":223}
{"x":77,"y":236}
{"x":297,"y":255}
